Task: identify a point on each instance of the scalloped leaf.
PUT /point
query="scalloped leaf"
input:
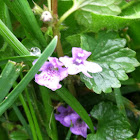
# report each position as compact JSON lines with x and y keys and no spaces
{"x":99,"y":6}
{"x":95,"y":21}
{"x":109,"y":52}
{"x":111,"y":124}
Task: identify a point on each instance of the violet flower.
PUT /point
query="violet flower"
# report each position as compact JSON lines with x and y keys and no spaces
{"x":79,"y":126}
{"x":68,"y":117}
{"x":51,"y":74}
{"x":65,"y":115}
{"x":78,"y":63}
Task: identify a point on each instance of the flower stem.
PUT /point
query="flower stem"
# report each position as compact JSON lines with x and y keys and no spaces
{"x":119,"y":101}
{"x":49,"y":5}
{"x":50,"y":120}
{"x":68,"y":135}
{"x":65,"y":15}
{"x":59,"y":49}
{"x":54,"y":6}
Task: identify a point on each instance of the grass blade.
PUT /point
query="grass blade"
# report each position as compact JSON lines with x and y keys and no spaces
{"x":12,"y":40}
{"x":22,"y":11}
{"x":28,"y":77}
{"x":25,"y":58}
{"x":8,"y":76}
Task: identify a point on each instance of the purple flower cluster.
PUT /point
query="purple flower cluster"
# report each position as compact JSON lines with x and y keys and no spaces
{"x":69,"y":118}
{"x":52,"y":72}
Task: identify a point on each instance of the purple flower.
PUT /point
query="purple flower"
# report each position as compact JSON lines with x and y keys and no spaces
{"x":68,"y":117}
{"x":65,"y":115}
{"x":51,"y":74}
{"x":78,"y":63}
{"x":79,"y":126}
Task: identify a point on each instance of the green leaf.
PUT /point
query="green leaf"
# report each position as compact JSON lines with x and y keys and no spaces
{"x":12,"y":40}
{"x":22,"y":11}
{"x":28,"y":77}
{"x":95,"y":22}
{"x":72,"y":101}
{"x":19,"y":135}
{"x":111,"y":124}
{"x":99,"y":6}
{"x":109,"y":52}
{"x":8,"y":76}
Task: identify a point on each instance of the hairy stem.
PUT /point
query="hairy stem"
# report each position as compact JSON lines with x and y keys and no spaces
{"x":56,"y":31}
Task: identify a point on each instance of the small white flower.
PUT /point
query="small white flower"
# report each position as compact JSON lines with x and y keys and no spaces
{"x":46,"y":16}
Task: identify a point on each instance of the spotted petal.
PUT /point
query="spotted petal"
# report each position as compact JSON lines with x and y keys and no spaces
{"x":44,"y":79}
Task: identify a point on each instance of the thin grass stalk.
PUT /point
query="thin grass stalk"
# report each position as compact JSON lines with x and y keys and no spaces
{"x":33,"y":113}
{"x":22,"y":120}
{"x":29,"y":117}
{"x":50,"y":120}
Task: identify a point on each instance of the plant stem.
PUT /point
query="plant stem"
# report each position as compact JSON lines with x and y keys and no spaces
{"x":28,"y":114}
{"x":56,"y":31}
{"x":71,"y":86}
{"x":119,"y":101}
{"x":49,"y":5}
{"x":59,"y":46}
{"x":54,"y":7}
{"x":50,"y":120}
{"x":129,"y":4}
{"x":65,"y":15}
{"x":68,"y":135}
{"x":127,"y":103}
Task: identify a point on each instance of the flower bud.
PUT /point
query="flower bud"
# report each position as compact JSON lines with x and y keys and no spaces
{"x":37,"y":9}
{"x":46,"y":16}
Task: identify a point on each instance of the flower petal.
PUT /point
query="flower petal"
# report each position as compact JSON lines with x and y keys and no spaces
{"x":63,"y":72}
{"x":67,"y":61}
{"x":73,"y":69}
{"x":83,"y":69}
{"x":79,"y":129}
{"x":56,"y":63}
{"x":80,"y":53}
{"x":60,"y":118}
{"x":45,"y":79}
{"x":92,"y":67}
